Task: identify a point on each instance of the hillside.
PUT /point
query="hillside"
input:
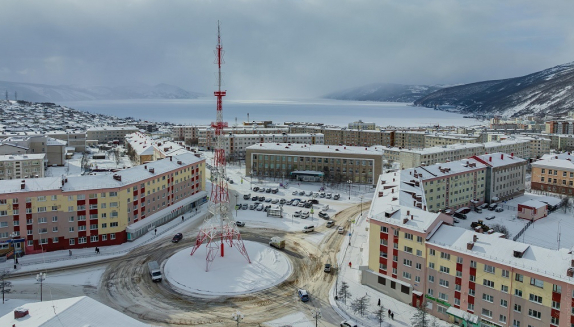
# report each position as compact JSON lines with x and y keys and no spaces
{"x":384,"y":92}
{"x":53,"y":93}
{"x":540,"y":93}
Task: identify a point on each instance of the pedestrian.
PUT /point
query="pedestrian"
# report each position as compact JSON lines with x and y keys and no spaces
{"x":70,"y":252}
{"x":155,"y":231}
{"x":389,"y":312}
{"x":98,"y":250}
{"x":392,"y":315}
{"x":379,"y":304}
{"x":181,"y":218}
{"x":349,"y":264}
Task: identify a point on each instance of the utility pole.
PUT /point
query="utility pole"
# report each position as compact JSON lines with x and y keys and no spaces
{"x":237,"y":317}
{"x":41,"y":277}
{"x":317,"y":316}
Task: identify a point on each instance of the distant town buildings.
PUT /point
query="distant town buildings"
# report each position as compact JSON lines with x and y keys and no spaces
{"x":360,"y":125}
{"x":19,"y":166}
{"x":106,"y":134}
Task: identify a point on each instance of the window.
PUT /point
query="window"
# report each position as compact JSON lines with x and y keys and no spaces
{"x":408,"y":249}
{"x":442,"y":296}
{"x":419,"y":253}
{"x":406,"y":275}
{"x":112,"y":236}
{"x":82,"y":228}
{"x":536,"y":282}
{"x":441,"y":309}
{"x":504,"y":288}
{"x":407,"y":262}
{"x":418,"y":266}
{"x":502,"y":318}
{"x":445,"y":256}
{"x":472,"y":264}
{"x":71,"y":229}
{"x":432,"y":252}
{"x":431,"y":265}
{"x":517,"y":308}
{"x":518,"y":293}
{"x":489,"y":269}
{"x":55,"y":240}
{"x":505,"y":273}
{"x":55,"y":229}
{"x":535,"y":298}
{"x":488,"y":298}
{"x":486,"y":313}
{"x":409,"y":236}
{"x":518,"y":278}
{"x":419,"y":239}
{"x":444,"y":269}
{"x":114,"y":224}
{"x":72,"y":241}
{"x":534,"y":314}
{"x":471,"y":306}
{"x":81,"y":197}
{"x":443,"y":283}
{"x":488,"y":283}
{"x":94,"y":238}
{"x":459,"y":260}
{"x":555,"y":305}
{"x":431,"y":279}
{"x":42,"y":220}
{"x":557,"y":289}
{"x":113,"y":193}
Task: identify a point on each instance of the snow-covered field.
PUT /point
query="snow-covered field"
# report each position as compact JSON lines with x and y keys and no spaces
{"x":544,"y":232}
{"x":230,"y":275}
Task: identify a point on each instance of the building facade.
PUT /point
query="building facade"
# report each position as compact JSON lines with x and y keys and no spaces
{"x":22,"y":166}
{"x":55,"y":213}
{"x":554,"y":173}
{"x":505,"y":176}
{"x":107,"y":134}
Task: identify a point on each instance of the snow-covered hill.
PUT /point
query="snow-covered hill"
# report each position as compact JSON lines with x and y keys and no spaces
{"x":387,"y":92}
{"x":540,"y":93}
{"x":53,"y":93}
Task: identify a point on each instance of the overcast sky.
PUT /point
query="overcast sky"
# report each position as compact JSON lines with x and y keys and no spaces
{"x":281,"y":48}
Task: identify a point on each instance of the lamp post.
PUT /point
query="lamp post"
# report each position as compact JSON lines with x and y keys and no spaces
{"x":251,"y":180}
{"x":235,"y":204}
{"x":349,"y":182}
{"x":237,"y":317}
{"x":40,"y":278}
{"x":13,"y":235}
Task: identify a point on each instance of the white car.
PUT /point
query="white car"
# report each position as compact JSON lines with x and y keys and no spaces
{"x":341,"y":230}
{"x":348,"y":323}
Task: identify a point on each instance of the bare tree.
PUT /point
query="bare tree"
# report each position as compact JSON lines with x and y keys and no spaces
{"x":421,"y":318}
{"x":117,"y":156}
{"x":380,"y":314}
{"x":84,"y":162}
{"x":498,"y":228}
{"x":360,"y":304}
{"x":344,"y":292}
{"x":4,"y":284}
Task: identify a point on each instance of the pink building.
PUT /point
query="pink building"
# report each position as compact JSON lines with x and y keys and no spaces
{"x":532,"y":210}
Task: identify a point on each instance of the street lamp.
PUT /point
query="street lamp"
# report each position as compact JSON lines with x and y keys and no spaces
{"x":235,"y":204}
{"x":13,"y":235}
{"x":237,"y":316}
{"x":251,"y":180}
{"x":349,"y":182}
{"x":40,"y":278}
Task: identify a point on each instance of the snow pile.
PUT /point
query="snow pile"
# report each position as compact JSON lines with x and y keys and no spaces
{"x":230,"y":275}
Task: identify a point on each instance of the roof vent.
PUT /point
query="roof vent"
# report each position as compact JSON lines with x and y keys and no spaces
{"x":118,"y":177}
{"x":152,"y":170}
{"x":469,"y":245}
{"x":20,"y":313}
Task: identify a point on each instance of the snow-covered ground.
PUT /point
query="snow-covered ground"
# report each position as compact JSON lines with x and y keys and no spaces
{"x":73,"y":167}
{"x":297,"y":319}
{"x":62,"y":258}
{"x":543,"y":232}
{"x":230,"y":275}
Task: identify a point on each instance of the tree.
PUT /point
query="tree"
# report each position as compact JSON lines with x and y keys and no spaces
{"x":4,"y":284}
{"x":117,"y":156}
{"x":421,"y":318}
{"x":84,"y":163}
{"x":344,"y":292}
{"x":380,"y":314}
{"x":360,"y":304}
{"x":498,"y":228}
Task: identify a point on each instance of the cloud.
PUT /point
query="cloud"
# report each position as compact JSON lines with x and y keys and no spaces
{"x":282,"y":49}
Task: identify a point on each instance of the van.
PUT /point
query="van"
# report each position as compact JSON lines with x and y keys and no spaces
{"x":154,"y":271}
{"x":308,"y":229}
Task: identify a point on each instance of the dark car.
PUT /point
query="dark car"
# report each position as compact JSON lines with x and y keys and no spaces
{"x":246,"y":196}
{"x":459,"y":215}
{"x":239,"y":223}
{"x":261,"y":198}
{"x":254,"y":198}
{"x":255,"y":189}
{"x":177,"y":237}
{"x":282,"y":201}
{"x":244,"y":206}
{"x":313,"y":201}
{"x":268,"y":190}
{"x":308,"y":205}
{"x":303,"y":295}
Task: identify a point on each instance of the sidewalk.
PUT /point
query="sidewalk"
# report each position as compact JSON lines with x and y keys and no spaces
{"x":62,"y":258}
{"x":357,"y":253}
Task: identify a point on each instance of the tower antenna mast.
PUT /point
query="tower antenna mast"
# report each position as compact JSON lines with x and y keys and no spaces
{"x":219,"y":229}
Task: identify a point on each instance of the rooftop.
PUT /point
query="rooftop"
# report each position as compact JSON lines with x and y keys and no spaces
{"x":499,"y":159}
{"x":331,"y":149}
{"x":19,"y":157}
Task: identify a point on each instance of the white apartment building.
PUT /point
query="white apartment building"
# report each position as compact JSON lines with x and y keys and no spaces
{"x":504,"y":176}
{"x":22,"y":166}
{"x":236,"y":144}
{"x":106,"y":134}
{"x":361,"y":125}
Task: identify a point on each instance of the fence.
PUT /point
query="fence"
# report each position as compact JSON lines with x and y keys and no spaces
{"x":522,"y":230}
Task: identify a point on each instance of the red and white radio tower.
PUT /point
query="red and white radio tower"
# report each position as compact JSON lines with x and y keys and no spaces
{"x":220,"y":228}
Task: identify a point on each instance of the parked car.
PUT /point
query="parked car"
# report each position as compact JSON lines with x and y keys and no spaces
{"x":262,"y":190}
{"x":297,"y":214}
{"x":295,"y":203}
{"x":230,"y":181}
{"x":348,"y":323}
{"x":301,"y":204}
{"x":303,"y":295}
{"x":490,"y":217}
{"x":268,"y":200}
{"x":459,"y":215}
{"x":309,"y":193}
{"x":244,"y":206}
{"x":483,"y":206}
{"x":260,"y":207}
{"x":316,"y":194}
{"x":268,"y":190}
{"x":305,"y":215}
{"x":329,"y":195}
{"x":274,"y":190}
{"x":246,"y":196}
{"x":323,"y":214}
{"x":253,"y":206}
{"x":301,"y":192}
{"x":154,"y":272}
{"x":477,"y":210}
{"x":336,"y":196}
{"x":275,"y":201}
{"x":255,"y":188}
{"x":290,"y":202}
{"x":330,"y":223}
{"x":499,"y":209}
{"x":177,"y":237}
{"x":327,"y":268}
{"x":492,"y":206}
{"x":308,"y":205}
{"x":341,"y":230}
{"x":313,"y":201}
{"x":267,"y":207}
{"x":294,"y":193}
{"x":261,"y":198}
{"x":322,"y":195}
{"x":254,"y":198}
{"x":282,"y":201}
{"x":308,"y":229}
{"x":239,"y":223}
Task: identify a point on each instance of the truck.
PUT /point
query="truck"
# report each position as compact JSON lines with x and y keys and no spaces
{"x":277,"y":242}
{"x":154,"y":271}
{"x":480,"y":224}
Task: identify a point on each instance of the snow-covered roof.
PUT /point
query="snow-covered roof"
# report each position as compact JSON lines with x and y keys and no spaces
{"x":99,"y":181}
{"x":499,"y":159}
{"x":113,"y":128}
{"x":534,"y":204}
{"x":553,"y":163}
{"x":19,"y":157}
{"x":76,"y":311}
{"x":331,"y":149}
{"x":445,"y":169}
{"x":53,"y":141}
{"x":440,"y":149}
{"x":495,"y":248}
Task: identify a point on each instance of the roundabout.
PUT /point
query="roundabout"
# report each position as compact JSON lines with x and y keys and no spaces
{"x":229,"y":275}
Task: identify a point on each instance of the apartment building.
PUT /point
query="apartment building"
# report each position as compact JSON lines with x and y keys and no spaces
{"x":105,"y":134}
{"x":142,"y":149}
{"x":236,"y":144}
{"x":554,"y":173}
{"x":74,"y":139}
{"x":462,"y":276}
{"x":565,"y":126}
{"x":505,"y":176}
{"x":430,"y":156}
{"x":54,"y":149}
{"x":55,"y":213}
{"x":361,"y":125}
{"x":184,"y":133}
{"x":206,"y":136}
{"x":519,"y":147}
{"x":410,"y":139}
{"x":19,"y":166}
{"x":440,"y":139}
{"x":315,"y":162}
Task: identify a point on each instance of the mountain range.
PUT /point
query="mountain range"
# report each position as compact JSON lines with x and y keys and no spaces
{"x":55,"y":93}
{"x":386,"y":92}
{"x":549,"y":91}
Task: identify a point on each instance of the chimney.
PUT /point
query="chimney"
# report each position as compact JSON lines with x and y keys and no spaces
{"x":392,"y":190}
{"x":145,"y":166}
{"x":20,"y":313}
{"x":170,"y":158}
{"x":490,"y":159}
{"x":23,"y":185}
{"x":408,"y":212}
{"x":474,"y":238}
{"x":152,"y":170}
{"x":412,"y":216}
{"x":380,"y":194}
{"x":512,"y":154}
{"x":405,"y":220}
{"x":469,"y":245}
{"x":501,"y":156}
